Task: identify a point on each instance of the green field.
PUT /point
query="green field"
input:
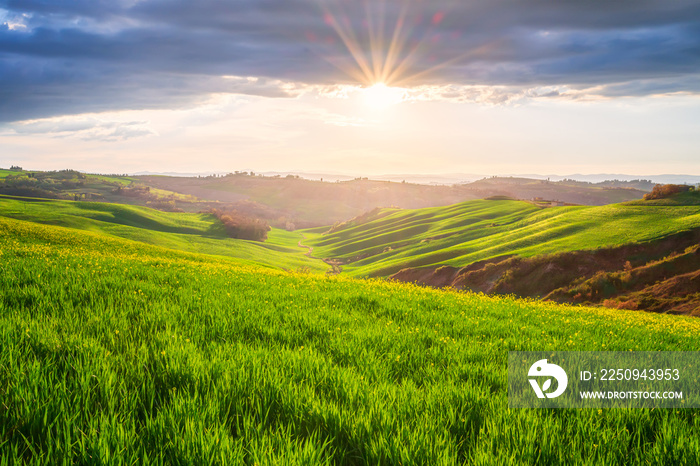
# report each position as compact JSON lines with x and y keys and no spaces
{"x":681,"y":199}
{"x":117,"y":352}
{"x":199,"y":233}
{"x":4,"y":172}
{"x":317,"y":203}
{"x":464,"y":233}
{"x":124,"y":180}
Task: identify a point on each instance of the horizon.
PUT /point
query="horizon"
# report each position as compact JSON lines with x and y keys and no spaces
{"x":415,"y":178}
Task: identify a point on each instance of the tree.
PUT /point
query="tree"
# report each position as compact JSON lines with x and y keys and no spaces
{"x":664,"y":191}
{"x":241,"y":226}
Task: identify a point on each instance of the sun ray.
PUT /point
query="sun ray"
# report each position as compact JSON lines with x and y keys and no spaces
{"x":375,"y":37}
{"x":386,"y":56}
{"x":353,"y":71}
{"x":396,"y":45}
{"x":409,"y":59}
{"x":349,"y":39}
{"x":480,"y":51}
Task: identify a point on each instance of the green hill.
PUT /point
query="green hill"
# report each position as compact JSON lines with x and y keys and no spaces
{"x":315,"y":203}
{"x":114,"y":351}
{"x":4,"y":172}
{"x":473,"y":231}
{"x":199,"y":233}
{"x":681,"y":199}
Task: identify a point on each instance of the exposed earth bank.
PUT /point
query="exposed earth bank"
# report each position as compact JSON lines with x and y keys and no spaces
{"x":657,"y":276}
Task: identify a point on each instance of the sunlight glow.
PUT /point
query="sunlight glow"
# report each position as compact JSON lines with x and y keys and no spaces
{"x":382,"y":96}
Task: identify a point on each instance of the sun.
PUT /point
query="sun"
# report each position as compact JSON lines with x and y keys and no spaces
{"x":381,"y":96}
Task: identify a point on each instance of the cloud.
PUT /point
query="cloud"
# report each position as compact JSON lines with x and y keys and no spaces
{"x":86,"y":128}
{"x":75,"y":56}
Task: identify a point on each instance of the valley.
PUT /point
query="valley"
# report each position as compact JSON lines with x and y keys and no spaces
{"x":126,"y":328}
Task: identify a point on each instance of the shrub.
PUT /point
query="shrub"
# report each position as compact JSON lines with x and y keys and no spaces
{"x":663,"y":191}
{"x":241,"y":226}
{"x":29,"y":191}
{"x":138,"y":191}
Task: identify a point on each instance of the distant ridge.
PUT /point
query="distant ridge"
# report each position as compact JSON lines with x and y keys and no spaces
{"x":597,"y":178}
{"x":446,"y":178}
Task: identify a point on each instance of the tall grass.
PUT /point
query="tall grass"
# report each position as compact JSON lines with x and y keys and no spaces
{"x":116,"y":352}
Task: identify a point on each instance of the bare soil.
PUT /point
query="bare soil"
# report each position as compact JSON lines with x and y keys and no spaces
{"x":657,"y":276}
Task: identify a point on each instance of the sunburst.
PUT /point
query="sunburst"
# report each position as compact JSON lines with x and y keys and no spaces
{"x":388,"y":44}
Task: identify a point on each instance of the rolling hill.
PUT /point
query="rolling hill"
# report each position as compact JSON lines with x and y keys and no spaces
{"x":315,"y":203}
{"x":640,"y":256}
{"x":117,"y":351}
{"x":291,"y":202}
{"x":473,"y":231}
{"x":199,"y":233}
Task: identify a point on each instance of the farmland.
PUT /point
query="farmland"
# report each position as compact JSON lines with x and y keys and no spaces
{"x":199,"y":233}
{"x":472,"y":231}
{"x":316,"y":203}
{"x":116,"y":351}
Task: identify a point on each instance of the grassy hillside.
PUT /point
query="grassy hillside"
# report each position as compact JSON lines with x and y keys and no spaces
{"x":312,"y":202}
{"x":662,"y":275}
{"x":4,"y":172}
{"x":114,"y":351}
{"x":681,"y":199}
{"x":477,"y":230}
{"x":200,"y":233}
{"x":72,"y":185}
{"x":576,"y":192}
{"x":308,"y":202}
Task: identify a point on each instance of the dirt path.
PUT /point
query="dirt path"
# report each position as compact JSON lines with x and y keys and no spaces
{"x":335,"y":267}
{"x":310,"y":248}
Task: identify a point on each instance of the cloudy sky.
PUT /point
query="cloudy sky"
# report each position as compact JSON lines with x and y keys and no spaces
{"x":353,"y":86}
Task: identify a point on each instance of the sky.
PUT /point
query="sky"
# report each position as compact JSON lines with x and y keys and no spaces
{"x":351,"y":86}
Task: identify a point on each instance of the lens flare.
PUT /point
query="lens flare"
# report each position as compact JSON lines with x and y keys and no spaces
{"x":390,"y":43}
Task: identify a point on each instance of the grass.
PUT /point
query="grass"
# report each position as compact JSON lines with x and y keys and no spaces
{"x":99,"y":179}
{"x":101,"y":187}
{"x":162,"y":193}
{"x":4,"y":172}
{"x":118,"y":352}
{"x":682,"y":199}
{"x":102,"y":179}
{"x":199,"y":233}
{"x":576,"y":191}
{"x":476,"y":230}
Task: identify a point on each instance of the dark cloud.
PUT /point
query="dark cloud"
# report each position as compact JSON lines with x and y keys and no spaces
{"x":71,"y":56}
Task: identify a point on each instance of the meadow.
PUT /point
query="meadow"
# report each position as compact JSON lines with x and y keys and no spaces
{"x":472,"y":231}
{"x":4,"y":172}
{"x":114,"y":351}
{"x":199,"y":233}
